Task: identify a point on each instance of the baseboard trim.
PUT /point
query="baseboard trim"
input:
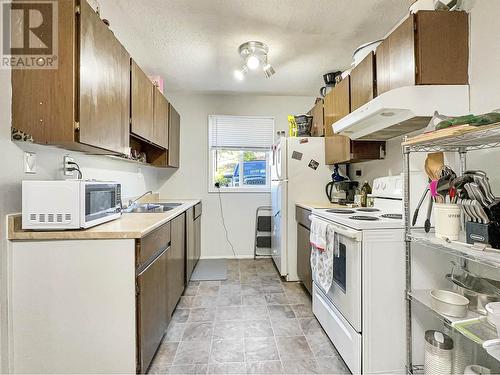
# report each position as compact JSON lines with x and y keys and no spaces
{"x":228,"y":257}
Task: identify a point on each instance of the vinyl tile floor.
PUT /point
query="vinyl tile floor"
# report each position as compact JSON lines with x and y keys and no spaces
{"x":251,"y":323}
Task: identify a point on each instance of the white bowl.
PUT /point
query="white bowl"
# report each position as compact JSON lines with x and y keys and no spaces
{"x":449,"y":303}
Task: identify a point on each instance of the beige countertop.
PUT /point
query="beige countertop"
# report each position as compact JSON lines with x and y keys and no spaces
{"x":129,"y":225}
{"x":312,"y":205}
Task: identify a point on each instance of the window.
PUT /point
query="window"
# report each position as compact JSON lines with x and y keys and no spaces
{"x":239,"y":148}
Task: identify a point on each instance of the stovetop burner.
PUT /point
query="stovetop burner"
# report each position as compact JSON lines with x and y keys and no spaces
{"x":392,"y":216}
{"x":368,"y":209}
{"x":364,"y":218}
{"x":340,"y":211}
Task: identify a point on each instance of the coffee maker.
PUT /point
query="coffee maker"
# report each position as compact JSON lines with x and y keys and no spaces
{"x":341,"y":192}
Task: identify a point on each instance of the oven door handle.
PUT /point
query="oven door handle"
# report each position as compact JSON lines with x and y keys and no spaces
{"x":340,"y":229}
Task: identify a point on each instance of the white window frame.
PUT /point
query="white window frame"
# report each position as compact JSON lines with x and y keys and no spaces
{"x":238,"y":189}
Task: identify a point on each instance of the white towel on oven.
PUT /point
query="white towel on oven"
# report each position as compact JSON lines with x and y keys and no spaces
{"x":318,"y":234}
{"x":322,"y":253}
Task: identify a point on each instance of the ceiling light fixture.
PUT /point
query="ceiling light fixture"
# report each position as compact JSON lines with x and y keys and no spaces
{"x":255,"y":55}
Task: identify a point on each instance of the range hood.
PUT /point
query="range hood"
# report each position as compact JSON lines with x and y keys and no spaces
{"x":403,"y":110}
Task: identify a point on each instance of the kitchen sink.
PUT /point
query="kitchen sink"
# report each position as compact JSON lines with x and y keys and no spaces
{"x":151,"y":207}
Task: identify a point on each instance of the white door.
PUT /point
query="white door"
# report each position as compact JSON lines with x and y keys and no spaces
{"x":278,"y":234}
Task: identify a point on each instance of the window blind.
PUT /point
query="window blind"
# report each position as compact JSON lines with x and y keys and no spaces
{"x":241,"y":132}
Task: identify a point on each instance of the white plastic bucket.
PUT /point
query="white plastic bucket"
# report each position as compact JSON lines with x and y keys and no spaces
{"x":447,"y":220}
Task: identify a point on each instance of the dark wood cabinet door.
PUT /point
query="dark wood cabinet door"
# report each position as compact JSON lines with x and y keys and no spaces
{"x":174,"y":137}
{"x":176,"y":262}
{"x":152,"y":314}
{"x":396,"y":58}
{"x":328,"y":116}
{"x":363,"y":82}
{"x":160,"y":128}
{"x":190,"y":244}
{"x":303,"y":256}
{"x":43,"y":100}
{"x":197,"y":228}
{"x":337,"y":149}
{"x":336,"y":105}
{"x":104,"y":85}
{"x":142,"y":103}
{"x":318,"y":127}
{"x":442,"y":48}
{"x":340,"y":149}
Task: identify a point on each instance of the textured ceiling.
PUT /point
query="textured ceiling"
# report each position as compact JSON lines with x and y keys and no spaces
{"x":193,"y":43}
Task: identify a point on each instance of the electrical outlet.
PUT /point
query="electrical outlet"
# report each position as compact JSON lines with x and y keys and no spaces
{"x":66,"y":165}
{"x":29,"y":162}
{"x":359,"y":172}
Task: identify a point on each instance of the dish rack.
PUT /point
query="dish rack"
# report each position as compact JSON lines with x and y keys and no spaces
{"x":472,"y":334}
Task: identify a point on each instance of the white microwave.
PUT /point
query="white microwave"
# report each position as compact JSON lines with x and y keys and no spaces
{"x":69,"y":204}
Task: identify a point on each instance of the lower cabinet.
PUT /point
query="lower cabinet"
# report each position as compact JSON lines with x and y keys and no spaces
{"x":197,"y":232}
{"x":160,"y":258}
{"x":304,"y":247}
{"x":152,"y":315}
{"x":193,"y":237}
{"x":175,"y":263}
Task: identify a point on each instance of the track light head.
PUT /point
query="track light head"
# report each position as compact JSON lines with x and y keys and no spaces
{"x":240,"y":74}
{"x":268,"y":70}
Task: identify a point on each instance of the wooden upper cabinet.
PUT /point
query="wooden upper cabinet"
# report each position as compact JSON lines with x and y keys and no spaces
{"x":340,"y":149}
{"x":174,"y":133}
{"x":336,"y":105}
{"x":363,"y":82}
{"x":428,"y":48}
{"x":160,"y":127}
{"x":318,"y":126}
{"x":142,"y":104}
{"x":104,"y":85}
{"x":43,"y":101}
{"x":83,"y":104}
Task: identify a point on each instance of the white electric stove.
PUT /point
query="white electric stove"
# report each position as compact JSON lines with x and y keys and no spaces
{"x":386,"y":213}
{"x":363,"y":311}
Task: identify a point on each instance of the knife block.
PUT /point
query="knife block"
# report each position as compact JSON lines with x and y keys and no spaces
{"x":483,"y":233}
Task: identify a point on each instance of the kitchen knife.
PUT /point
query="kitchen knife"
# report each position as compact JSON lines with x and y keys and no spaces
{"x":482,"y":214}
{"x":478,"y":194}
{"x":468,"y":217}
{"x":483,"y":186}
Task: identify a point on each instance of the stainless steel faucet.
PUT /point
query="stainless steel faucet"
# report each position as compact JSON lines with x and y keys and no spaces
{"x":131,"y":202}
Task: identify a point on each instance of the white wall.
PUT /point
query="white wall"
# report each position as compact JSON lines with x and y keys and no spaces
{"x":191,"y":181}
{"x":135,"y":180}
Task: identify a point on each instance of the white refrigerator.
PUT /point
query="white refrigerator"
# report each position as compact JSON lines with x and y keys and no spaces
{"x":298,"y":174}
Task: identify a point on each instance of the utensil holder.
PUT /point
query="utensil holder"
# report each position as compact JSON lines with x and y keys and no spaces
{"x":488,"y":234}
{"x":447,"y":221}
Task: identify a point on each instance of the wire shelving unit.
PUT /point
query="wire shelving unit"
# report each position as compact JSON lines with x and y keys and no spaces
{"x":461,"y":140}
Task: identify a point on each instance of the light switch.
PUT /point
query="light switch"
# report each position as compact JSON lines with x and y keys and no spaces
{"x":29,"y":162}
